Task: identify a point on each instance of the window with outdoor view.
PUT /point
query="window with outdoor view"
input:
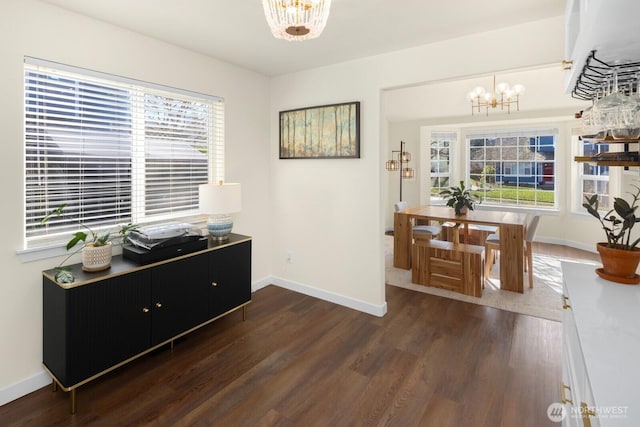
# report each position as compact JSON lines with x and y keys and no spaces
{"x":514,"y":168}
{"x":593,"y":179}
{"x":441,"y":143}
{"x":113,"y":150}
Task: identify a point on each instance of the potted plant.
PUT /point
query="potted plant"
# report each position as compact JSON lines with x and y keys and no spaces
{"x":619,"y":254}
{"x":460,"y":198}
{"x":96,"y":247}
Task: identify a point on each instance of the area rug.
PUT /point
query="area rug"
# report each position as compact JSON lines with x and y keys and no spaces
{"x":543,"y":300}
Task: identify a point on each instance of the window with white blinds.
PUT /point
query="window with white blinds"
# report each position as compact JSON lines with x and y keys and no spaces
{"x":114,"y":150}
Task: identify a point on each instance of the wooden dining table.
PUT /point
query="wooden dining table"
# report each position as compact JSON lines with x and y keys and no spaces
{"x":511,"y":227}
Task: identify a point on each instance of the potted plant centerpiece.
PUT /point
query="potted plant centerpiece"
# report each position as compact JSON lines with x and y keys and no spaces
{"x":96,"y":247}
{"x":460,"y":198}
{"x":619,"y":254}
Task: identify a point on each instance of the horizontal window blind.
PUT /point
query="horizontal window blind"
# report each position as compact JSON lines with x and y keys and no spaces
{"x":113,"y":151}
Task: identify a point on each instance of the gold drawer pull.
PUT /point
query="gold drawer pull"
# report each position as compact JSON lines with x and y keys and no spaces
{"x":564,"y":387}
{"x":214,"y":284}
{"x":565,"y":300}
{"x":145,"y":310}
{"x":158,"y":305}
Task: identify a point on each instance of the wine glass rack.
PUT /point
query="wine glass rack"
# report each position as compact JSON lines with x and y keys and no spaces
{"x":595,"y":73}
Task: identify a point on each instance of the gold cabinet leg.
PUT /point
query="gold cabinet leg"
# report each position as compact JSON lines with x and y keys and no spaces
{"x":244,"y":313}
{"x":54,"y":387}
{"x":73,"y":400}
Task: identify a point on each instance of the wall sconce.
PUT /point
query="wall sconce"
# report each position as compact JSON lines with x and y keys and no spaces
{"x":404,"y":157}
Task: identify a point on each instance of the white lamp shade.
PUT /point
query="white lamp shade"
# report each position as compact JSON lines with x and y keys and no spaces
{"x":222,"y":198}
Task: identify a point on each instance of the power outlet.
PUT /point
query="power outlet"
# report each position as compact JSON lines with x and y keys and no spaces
{"x":289,"y":257}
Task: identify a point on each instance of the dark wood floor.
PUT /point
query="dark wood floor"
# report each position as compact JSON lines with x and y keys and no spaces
{"x":300,"y":361}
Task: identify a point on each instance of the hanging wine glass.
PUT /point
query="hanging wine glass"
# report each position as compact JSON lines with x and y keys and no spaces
{"x":590,"y":128}
{"x":596,"y":116}
{"x":617,"y":109}
{"x":634,"y":120}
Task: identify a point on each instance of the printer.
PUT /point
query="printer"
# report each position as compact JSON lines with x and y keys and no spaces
{"x":155,"y":243}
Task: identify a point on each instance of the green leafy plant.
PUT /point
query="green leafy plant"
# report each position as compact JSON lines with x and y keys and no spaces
{"x":617,"y":227}
{"x":88,"y":237}
{"x":460,"y":197}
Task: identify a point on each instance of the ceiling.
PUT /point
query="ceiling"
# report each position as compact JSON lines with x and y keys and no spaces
{"x":236,"y":31}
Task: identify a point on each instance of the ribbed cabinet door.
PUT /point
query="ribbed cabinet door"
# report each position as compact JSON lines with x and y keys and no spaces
{"x":230,"y":272}
{"x":179,"y":297}
{"x":107,"y":323}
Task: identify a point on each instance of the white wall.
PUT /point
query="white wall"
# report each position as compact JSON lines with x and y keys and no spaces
{"x":33,"y":28}
{"x":330,"y":213}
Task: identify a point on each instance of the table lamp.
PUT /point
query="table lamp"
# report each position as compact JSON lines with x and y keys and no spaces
{"x":219,"y":200}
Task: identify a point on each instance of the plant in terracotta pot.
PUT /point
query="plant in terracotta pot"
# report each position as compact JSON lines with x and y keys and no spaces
{"x":460,"y":198}
{"x":619,"y":254}
{"x":96,"y":247}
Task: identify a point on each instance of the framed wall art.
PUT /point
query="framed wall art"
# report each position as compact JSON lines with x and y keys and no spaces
{"x":323,"y":132}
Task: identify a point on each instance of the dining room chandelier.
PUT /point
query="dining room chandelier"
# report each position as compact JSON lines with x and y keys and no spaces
{"x":296,"y":20}
{"x":502,"y":96}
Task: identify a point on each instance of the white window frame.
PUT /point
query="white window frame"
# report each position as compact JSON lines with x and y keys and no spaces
{"x":440,"y":135}
{"x":215,"y":149}
{"x":613,"y":178}
{"x":514,"y":163}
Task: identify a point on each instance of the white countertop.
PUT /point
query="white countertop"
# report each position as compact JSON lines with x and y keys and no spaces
{"x":607,"y":316}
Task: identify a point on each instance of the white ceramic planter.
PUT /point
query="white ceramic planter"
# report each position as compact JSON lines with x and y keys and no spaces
{"x":96,"y":258}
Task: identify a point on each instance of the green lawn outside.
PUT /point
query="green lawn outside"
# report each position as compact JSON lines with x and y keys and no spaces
{"x":525,"y":195}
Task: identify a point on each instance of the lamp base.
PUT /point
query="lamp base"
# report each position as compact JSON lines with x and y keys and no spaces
{"x":220,"y":226}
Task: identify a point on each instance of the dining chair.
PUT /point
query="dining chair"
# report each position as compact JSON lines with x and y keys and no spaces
{"x":478,"y":233}
{"x":492,"y":244}
{"x":420,"y":231}
{"x":475,"y":234}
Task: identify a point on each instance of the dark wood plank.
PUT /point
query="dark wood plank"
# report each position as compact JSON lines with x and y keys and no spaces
{"x":297,"y":360}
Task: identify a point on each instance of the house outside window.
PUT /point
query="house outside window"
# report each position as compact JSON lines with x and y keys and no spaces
{"x":113,"y":150}
{"x":514,"y":168}
{"x":440,"y":161}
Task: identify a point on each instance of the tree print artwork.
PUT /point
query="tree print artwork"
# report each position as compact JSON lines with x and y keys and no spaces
{"x":328,"y":131}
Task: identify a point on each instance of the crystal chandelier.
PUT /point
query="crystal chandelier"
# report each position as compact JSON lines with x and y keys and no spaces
{"x":296,"y":19}
{"x":502,"y":96}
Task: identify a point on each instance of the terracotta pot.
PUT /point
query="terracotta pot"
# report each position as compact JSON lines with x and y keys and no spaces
{"x":618,"y":262}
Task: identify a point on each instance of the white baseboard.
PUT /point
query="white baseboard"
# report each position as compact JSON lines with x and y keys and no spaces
{"x":581,"y":246}
{"x":262,"y":283}
{"x":24,"y":387}
{"x":375,"y":310}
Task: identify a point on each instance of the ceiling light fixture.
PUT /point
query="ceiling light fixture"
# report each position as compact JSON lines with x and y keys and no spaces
{"x":296,"y":20}
{"x":502,"y":96}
